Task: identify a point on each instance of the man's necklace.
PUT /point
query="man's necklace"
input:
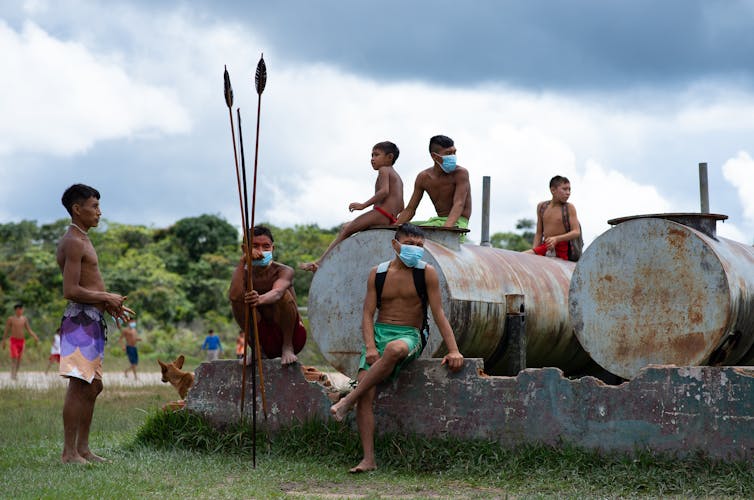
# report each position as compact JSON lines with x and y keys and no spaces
{"x":74,"y":225}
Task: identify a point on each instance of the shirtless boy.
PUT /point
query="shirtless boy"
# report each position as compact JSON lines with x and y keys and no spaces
{"x":82,"y":329}
{"x":16,"y":325}
{"x":395,"y":339}
{"x":447,"y":185}
{"x":281,"y":331}
{"x":551,"y":237}
{"x":128,"y":339}
{"x":387,"y":199}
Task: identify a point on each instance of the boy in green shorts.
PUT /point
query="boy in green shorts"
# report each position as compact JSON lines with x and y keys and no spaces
{"x":447,"y":185}
{"x":395,"y":339}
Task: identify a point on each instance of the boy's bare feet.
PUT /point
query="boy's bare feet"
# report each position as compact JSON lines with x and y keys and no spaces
{"x":339,"y":410}
{"x":73,"y":459}
{"x":92,"y":457}
{"x":364,"y":466}
{"x":288,"y":357}
{"x":309,"y":266}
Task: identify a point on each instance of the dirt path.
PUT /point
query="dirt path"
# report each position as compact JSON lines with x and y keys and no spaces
{"x":41,"y":381}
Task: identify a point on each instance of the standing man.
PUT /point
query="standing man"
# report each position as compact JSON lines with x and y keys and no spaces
{"x":128,"y":339}
{"x":395,"y":339}
{"x":16,"y":325}
{"x":447,"y":185}
{"x":212,"y":345}
{"x":82,"y":329}
{"x":281,"y":331}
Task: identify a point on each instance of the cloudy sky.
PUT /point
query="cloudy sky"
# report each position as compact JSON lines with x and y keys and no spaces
{"x":623,"y":97}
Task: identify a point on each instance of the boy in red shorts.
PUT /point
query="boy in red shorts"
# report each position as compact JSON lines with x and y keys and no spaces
{"x":551,"y":238}
{"x":16,"y":325}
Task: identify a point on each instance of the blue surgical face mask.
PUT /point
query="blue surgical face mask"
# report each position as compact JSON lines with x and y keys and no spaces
{"x":132,"y":324}
{"x":264,"y":261}
{"x":410,"y":255}
{"x":448,"y":163}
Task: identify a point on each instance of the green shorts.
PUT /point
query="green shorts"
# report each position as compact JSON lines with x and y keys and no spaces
{"x":462,"y":222}
{"x":385,"y":333}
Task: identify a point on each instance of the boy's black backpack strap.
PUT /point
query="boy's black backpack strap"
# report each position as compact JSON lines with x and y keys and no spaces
{"x":420,"y":283}
{"x":379,"y":281}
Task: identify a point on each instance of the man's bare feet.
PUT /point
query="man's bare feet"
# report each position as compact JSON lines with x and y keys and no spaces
{"x":340,"y":409}
{"x":288,"y":357}
{"x":364,"y":466}
{"x":92,"y":457}
{"x":73,"y":459}
{"x":309,"y":266}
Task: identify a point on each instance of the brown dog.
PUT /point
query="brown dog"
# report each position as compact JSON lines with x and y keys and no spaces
{"x":171,"y":372}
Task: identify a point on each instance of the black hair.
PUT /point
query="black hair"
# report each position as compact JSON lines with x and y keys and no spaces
{"x":211,"y":330}
{"x":18,"y":306}
{"x":78,"y":193}
{"x":388,"y":148}
{"x":408,"y":229}
{"x":440,"y":142}
{"x":263,"y":231}
{"x":558,"y":180}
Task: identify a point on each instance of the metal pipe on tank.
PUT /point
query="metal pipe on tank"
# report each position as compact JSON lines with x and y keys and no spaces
{"x":664,"y":289}
{"x":485,"y":242}
{"x":474,"y":282}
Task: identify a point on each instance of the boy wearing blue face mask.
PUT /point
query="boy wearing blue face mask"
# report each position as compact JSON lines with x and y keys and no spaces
{"x":387,"y":201}
{"x":395,"y":339}
{"x":447,"y":184}
{"x":281,"y":331}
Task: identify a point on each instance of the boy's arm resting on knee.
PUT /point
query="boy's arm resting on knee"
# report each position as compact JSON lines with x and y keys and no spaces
{"x":367,"y":320}
{"x":381,"y":191}
{"x":408,"y":212}
{"x":459,"y":197}
{"x":279,"y":287}
{"x":454,"y":358}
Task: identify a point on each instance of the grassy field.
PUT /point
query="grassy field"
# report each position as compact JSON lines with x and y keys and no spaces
{"x":156,"y":455}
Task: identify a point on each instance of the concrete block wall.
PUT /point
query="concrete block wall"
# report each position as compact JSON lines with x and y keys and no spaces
{"x":664,"y":409}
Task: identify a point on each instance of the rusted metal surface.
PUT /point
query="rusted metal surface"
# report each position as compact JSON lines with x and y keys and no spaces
{"x":664,"y":409}
{"x":654,"y":291}
{"x":706,"y":223}
{"x":474,"y":281}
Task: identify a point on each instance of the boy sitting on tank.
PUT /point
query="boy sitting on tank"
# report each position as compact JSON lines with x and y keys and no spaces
{"x":551,"y":237}
{"x":387,"y":199}
{"x":447,"y":185}
{"x":395,"y":339}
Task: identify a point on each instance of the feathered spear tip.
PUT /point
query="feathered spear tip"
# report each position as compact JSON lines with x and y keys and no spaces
{"x":260,"y":79}
{"x":228,"y":89}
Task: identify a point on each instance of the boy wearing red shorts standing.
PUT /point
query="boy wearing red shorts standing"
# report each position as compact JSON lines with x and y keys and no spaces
{"x":16,"y":325}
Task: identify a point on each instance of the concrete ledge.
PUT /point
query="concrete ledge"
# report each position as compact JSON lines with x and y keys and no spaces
{"x":666,"y":409}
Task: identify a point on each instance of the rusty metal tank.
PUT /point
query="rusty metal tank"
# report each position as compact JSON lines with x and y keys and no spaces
{"x":664,"y":289}
{"x":474,"y":281}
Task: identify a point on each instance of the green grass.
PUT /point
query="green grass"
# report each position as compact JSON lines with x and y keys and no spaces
{"x":156,"y":455}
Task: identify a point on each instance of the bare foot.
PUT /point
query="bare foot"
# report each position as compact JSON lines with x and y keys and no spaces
{"x":91,"y":457}
{"x":309,"y":266}
{"x":288,"y":357}
{"x":73,"y":459}
{"x":364,"y":466}
{"x":340,"y":409}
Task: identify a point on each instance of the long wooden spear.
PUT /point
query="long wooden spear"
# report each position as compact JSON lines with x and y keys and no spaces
{"x":260,"y":81}
{"x":248,"y":286}
{"x":244,"y":227}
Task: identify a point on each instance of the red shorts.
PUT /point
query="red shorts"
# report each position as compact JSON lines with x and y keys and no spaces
{"x":55,"y":358}
{"x":561,"y":250}
{"x":16,"y":347}
{"x":271,"y":338}
{"x":387,"y":214}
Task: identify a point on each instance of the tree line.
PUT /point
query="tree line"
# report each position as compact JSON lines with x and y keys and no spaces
{"x":176,"y":278}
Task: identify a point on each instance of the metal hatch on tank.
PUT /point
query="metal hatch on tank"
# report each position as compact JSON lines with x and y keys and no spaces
{"x":474,"y":281}
{"x":664,"y":289}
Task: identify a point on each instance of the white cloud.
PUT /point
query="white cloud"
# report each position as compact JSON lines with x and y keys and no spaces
{"x":739,"y":171}
{"x":60,"y":97}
